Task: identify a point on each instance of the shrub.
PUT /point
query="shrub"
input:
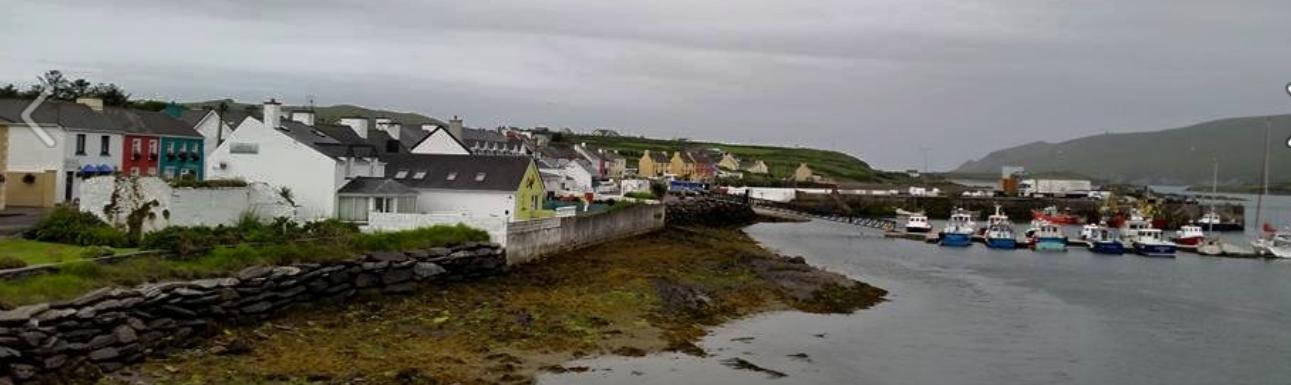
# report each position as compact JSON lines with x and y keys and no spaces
{"x":70,"y":226}
{"x":640,"y":195}
{"x":10,"y":262}
{"x":96,"y":251}
{"x":186,"y":241}
{"x":434,"y":236}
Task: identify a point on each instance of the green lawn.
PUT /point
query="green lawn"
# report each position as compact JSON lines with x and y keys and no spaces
{"x":36,"y":252}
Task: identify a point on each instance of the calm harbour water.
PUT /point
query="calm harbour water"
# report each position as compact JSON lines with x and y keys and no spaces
{"x":979,"y":316}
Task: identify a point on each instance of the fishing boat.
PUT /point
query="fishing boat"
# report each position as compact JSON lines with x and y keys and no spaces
{"x":1052,"y":215}
{"x":1001,"y":236}
{"x":1189,"y":236}
{"x":999,"y":231}
{"x":1048,"y":237}
{"x":958,"y":231}
{"x":1150,"y":242}
{"x":917,"y":223}
{"x":1131,"y":226}
{"x":1102,"y":240}
{"x":1212,"y":221}
{"x":1087,"y":231}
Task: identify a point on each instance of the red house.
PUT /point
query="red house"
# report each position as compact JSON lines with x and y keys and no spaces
{"x":140,"y":156}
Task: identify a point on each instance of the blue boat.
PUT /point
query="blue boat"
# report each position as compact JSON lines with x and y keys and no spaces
{"x":1048,"y":237}
{"x":1149,"y":243}
{"x":999,"y":231}
{"x":958,"y":231}
{"x":1101,"y":240}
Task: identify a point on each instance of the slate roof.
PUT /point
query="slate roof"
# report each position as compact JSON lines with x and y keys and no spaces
{"x":323,"y":143}
{"x":193,"y":117}
{"x":500,"y":173}
{"x":376,"y":186}
{"x":659,"y":157}
{"x":111,"y":119}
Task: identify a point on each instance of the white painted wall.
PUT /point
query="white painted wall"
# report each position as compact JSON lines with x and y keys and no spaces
{"x":440,"y":142}
{"x":210,"y":127}
{"x":28,"y":153}
{"x":281,"y":162}
{"x":93,"y":155}
{"x":496,"y":227}
{"x":472,"y":203}
{"x":180,"y":206}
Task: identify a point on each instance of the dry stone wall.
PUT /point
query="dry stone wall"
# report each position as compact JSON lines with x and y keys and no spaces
{"x":104,"y":330}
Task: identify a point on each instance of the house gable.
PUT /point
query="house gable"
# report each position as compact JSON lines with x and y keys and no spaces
{"x":440,"y":141}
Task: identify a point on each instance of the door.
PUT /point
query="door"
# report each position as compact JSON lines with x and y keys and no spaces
{"x":70,"y":180}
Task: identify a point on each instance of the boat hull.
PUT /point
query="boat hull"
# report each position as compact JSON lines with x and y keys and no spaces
{"x":1189,"y":241}
{"x":917,"y":229}
{"x":1224,"y":227}
{"x":1002,"y":243}
{"x":1050,"y":244}
{"x":1109,"y":247}
{"x":955,"y":240}
{"x":1059,"y":219}
{"x":1155,"y":250}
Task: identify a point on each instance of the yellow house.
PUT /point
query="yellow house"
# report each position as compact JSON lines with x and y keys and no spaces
{"x":652,"y":164}
{"x":682,"y":165}
{"x":502,"y":187}
{"x":803,"y":174}
{"x":729,"y":162}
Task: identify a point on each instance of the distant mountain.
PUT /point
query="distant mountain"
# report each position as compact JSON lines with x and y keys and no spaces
{"x":1180,"y":156}
{"x":331,"y":114}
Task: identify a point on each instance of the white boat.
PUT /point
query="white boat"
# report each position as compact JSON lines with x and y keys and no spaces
{"x":917,"y":223}
{"x":1130,"y":229}
{"x":1088,"y":232}
{"x":959,"y":229}
{"x":1276,"y":244}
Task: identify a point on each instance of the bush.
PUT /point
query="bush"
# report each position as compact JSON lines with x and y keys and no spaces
{"x":434,"y":236}
{"x":70,"y":226}
{"x":8,"y":262}
{"x":640,"y":195}
{"x":96,"y":251}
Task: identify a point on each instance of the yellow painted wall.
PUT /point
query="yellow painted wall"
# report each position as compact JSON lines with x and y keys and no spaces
{"x":531,"y":196}
{"x":803,"y":173}
{"x":681,"y":168}
{"x":39,"y":193}
{"x":648,"y":168}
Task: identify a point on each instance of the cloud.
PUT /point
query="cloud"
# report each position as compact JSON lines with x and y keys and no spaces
{"x":877,"y":79}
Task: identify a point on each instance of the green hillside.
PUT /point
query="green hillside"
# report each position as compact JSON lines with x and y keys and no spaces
{"x":331,"y":114}
{"x":780,"y":160}
{"x":1180,"y":156}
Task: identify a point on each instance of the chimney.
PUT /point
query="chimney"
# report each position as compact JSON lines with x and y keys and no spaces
{"x":455,"y":127}
{"x":359,"y":125}
{"x":428,"y":127}
{"x":304,"y":117}
{"x":272,"y":113}
{"x":95,"y":104}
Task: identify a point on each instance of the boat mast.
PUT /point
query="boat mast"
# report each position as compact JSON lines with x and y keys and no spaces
{"x":1214,"y":191}
{"x":1264,"y":177}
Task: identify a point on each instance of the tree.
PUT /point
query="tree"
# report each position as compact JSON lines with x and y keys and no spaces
{"x":9,"y":91}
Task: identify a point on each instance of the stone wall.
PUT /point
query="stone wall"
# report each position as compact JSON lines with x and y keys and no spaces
{"x":107,"y":329}
{"x":709,"y":211}
{"x":530,"y":240}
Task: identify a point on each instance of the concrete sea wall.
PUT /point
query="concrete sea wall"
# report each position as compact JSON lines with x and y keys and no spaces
{"x":109,"y":328}
{"x":530,"y":240}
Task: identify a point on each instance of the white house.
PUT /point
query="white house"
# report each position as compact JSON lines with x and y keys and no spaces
{"x":289,"y":154}
{"x":506,"y":187}
{"x":572,"y":175}
{"x":442,"y":142}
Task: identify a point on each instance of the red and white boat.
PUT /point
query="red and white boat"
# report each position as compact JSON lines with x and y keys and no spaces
{"x":1050,"y":214}
{"x":1189,"y":235}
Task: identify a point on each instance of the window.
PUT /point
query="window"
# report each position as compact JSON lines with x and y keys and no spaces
{"x":104,"y":142}
{"x":452,"y":176}
{"x":383,"y":205}
{"x":401,"y":174}
{"x":135,"y":146}
{"x":419,"y":175}
{"x":244,"y":148}
{"x":152,"y":171}
{"x":152,"y":151}
{"x":479,"y":177}
{"x":170,"y":150}
{"x":80,"y":144}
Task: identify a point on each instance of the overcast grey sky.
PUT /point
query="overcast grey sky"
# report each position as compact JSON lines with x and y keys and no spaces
{"x":877,"y":79}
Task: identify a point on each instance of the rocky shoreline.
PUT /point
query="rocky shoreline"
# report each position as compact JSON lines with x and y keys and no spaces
{"x":632,"y":297}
